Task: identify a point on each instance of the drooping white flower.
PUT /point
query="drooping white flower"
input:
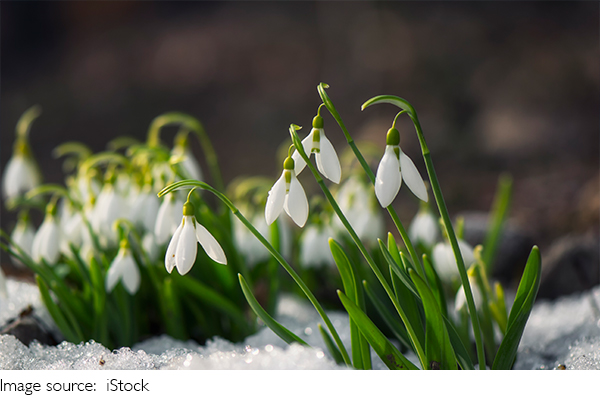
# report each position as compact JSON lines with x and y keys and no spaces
{"x":314,"y":246}
{"x":357,"y":202}
{"x":393,"y":168}
{"x":124,"y":269}
{"x":109,"y":207}
{"x":168,"y":218}
{"x":150,"y":246}
{"x":47,"y":239}
{"x":461,"y":298}
{"x":22,"y":236}
{"x":424,"y":228}
{"x":326,"y":157}
{"x":445,"y":263}
{"x":287,"y":194}
{"x":71,"y":228}
{"x":20,"y":175}
{"x":183,"y":247}
{"x":144,"y":208}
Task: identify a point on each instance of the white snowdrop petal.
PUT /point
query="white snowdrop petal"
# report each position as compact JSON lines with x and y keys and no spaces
{"x":467,"y":253}
{"x":411,"y":176}
{"x":275,"y":200}
{"x":296,"y":204}
{"x":130,"y":275}
{"x":191,"y":166}
{"x":443,"y":259}
{"x":328,"y":162}
{"x":23,"y":236}
{"x":388,"y":178}
{"x":164,"y":221}
{"x":424,"y":229}
{"x":114,"y":272}
{"x":187,"y":247}
{"x":172,"y":248}
{"x":210,"y":244}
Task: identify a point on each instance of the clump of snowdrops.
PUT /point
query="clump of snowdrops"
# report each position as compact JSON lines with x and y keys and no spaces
{"x":134,"y":262}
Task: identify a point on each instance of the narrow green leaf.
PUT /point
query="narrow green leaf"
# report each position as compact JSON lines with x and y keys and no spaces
{"x":462,"y":354}
{"x":275,"y":326}
{"x":333,"y":350}
{"x":438,"y":348}
{"x":499,"y":212}
{"x":398,"y":270}
{"x":436,"y":285}
{"x":361,"y":357}
{"x":389,"y":354}
{"x":389,"y":318}
{"x":519,"y":313}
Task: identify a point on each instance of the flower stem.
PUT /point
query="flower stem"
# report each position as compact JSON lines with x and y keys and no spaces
{"x":439,"y":198}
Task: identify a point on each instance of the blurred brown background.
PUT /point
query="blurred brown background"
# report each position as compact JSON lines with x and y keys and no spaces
{"x":499,"y":87}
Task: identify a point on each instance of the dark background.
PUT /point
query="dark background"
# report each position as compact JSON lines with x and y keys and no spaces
{"x":499,"y":87}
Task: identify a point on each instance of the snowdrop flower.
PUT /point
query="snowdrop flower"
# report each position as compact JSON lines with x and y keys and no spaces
{"x":183,"y":247}
{"x":325,"y":155}
{"x":393,"y":167}
{"x":287,"y":194}
{"x":124,"y":269}
{"x":22,"y":236}
{"x":168,"y":218}
{"x":47,"y":239}
{"x":109,"y":207}
{"x":424,"y":228}
{"x":445,"y":263}
{"x":71,"y":227}
{"x":314,"y":246}
{"x":21,"y":173}
{"x":144,"y":208}
{"x":150,"y":246}
{"x":357,"y":201}
{"x":461,"y":298}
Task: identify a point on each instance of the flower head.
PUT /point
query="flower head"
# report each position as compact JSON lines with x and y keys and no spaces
{"x":287,"y":194}
{"x":183,"y":247}
{"x":327,"y":160}
{"x":124,"y":269}
{"x":314,"y":246}
{"x":445,"y":262}
{"x":424,"y":228}
{"x":393,"y":167}
{"x":21,"y":173}
{"x":461,"y":298}
{"x":22,"y":236}
{"x":47,"y":239}
{"x":189,"y":164}
{"x":168,"y":218}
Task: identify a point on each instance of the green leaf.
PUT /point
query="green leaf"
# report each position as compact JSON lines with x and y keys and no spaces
{"x":275,"y":326}
{"x":389,"y":354}
{"x":360,"y":348}
{"x":399,"y":271}
{"x":436,"y":285}
{"x":389,"y":318}
{"x":438,"y":348}
{"x":498,"y":216}
{"x":519,"y":313}
{"x":333,"y":350}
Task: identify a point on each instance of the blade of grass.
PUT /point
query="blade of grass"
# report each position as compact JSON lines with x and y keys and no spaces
{"x":281,"y":331}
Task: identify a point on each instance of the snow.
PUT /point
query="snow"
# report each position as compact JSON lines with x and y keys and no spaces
{"x":563,"y":332}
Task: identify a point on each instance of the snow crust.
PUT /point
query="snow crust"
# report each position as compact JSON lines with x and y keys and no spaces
{"x":565,"y":332}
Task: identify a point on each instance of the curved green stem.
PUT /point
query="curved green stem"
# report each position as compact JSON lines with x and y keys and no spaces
{"x":361,"y":247}
{"x":403,"y":234}
{"x":193,"y":183}
{"x":437,"y":193}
